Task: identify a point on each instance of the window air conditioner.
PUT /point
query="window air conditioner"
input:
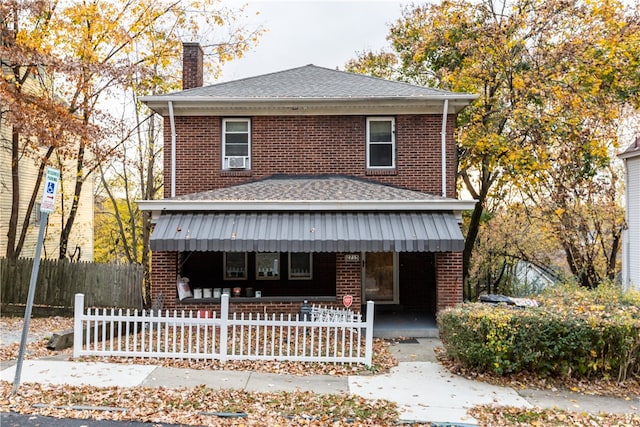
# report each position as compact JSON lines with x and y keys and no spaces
{"x":237,"y":162}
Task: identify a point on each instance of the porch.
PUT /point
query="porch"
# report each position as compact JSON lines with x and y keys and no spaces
{"x":396,"y":321}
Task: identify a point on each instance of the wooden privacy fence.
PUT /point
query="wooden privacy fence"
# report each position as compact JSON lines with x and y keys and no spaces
{"x":107,"y":285}
{"x":206,"y":335}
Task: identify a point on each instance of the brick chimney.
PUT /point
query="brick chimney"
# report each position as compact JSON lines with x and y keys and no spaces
{"x":191,"y":65}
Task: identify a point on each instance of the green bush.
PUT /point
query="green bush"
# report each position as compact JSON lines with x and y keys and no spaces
{"x":575,"y":332}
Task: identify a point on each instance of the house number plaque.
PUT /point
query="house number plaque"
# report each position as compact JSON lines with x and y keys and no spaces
{"x":352,"y":257}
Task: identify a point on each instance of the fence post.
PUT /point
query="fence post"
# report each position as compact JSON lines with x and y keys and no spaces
{"x":368,"y":349}
{"x":78,"y":333}
{"x":224,"y":322}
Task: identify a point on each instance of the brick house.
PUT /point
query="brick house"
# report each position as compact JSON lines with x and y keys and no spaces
{"x":308,"y":184}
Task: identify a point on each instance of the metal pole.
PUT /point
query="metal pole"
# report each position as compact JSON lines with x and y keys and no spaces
{"x":32,"y":291}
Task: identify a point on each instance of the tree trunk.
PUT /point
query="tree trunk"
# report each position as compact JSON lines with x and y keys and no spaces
{"x":66,"y":230}
{"x":15,"y":197}
{"x":32,"y":201}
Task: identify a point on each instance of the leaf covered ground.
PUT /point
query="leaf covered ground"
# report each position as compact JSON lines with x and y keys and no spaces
{"x":205,"y":406}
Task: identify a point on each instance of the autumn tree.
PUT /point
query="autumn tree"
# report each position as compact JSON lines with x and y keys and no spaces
{"x":94,"y":49}
{"x":552,"y":77}
{"x":34,"y":125}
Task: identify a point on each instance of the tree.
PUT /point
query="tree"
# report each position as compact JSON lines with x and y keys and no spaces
{"x":90,"y":50}
{"x":547,"y":72}
{"x":33,"y":123}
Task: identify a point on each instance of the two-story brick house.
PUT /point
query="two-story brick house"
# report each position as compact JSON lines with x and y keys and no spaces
{"x":308,"y":184}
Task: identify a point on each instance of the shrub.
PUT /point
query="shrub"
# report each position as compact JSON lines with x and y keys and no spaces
{"x":575,"y":332}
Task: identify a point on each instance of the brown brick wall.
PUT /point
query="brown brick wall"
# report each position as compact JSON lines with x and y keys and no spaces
{"x":448,"y":279}
{"x":192,"y":65}
{"x":348,"y":281}
{"x":163,"y":277}
{"x":309,"y":145}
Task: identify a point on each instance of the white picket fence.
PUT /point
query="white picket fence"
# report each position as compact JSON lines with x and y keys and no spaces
{"x":329,"y":314}
{"x":206,"y":335}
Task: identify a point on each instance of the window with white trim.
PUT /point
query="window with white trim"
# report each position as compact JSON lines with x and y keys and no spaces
{"x":381,"y":143}
{"x":236,"y":144}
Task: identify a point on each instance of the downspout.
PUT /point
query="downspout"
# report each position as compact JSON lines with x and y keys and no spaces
{"x":626,"y":268}
{"x":173,"y":150}
{"x":445,"y":110}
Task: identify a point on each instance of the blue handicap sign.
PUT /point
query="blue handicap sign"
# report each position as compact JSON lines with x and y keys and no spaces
{"x":51,"y":187}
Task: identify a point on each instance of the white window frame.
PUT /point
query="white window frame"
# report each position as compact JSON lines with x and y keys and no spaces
{"x":225,"y":158}
{"x":392,"y":142}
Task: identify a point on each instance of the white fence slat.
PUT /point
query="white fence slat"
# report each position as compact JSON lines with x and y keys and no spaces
{"x":334,"y":336}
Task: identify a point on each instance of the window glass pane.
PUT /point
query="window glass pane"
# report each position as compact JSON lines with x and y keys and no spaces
{"x":237,"y":138}
{"x":237,"y":150}
{"x":235,"y":265}
{"x":268,"y":265}
{"x":378,"y":277}
{"x":300,"y":266}
{"x":237,"y":126}
{"x":380,"y":131}
{"x":381,"y":155}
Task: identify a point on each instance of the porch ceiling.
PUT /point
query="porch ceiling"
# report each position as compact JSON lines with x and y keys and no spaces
{"x":308,"y":232}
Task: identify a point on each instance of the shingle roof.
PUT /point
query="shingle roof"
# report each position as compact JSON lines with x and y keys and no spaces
{"x":311,"y":82}
{"x":633,"y":150}
{"x":317,"y":188}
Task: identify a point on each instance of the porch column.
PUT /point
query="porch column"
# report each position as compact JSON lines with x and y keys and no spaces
{"x":164,"y":270}
{"x":348,"y":280}
{"x":448,"y":279}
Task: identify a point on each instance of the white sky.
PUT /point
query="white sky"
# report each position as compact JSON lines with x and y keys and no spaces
{"x":325,"y":33}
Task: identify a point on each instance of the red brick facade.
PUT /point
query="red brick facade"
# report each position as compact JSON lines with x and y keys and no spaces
{"x":448,"y":279}
{"x":310,"y":145}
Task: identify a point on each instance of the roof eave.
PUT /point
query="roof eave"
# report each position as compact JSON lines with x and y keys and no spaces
{"x":629,"y":154}
{"x":203,"y":105}
{"x":306,"y":205}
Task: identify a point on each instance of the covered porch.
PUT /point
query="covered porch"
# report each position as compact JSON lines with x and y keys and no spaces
{"x":396,"y":247}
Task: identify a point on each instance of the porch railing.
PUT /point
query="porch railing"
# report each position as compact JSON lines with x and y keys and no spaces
{"x":210,"y":335}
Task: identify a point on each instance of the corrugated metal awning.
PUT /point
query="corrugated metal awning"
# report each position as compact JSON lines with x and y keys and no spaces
{"x":308,"y":232}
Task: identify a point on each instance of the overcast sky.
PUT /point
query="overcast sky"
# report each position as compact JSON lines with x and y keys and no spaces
{"x":325,"y":33}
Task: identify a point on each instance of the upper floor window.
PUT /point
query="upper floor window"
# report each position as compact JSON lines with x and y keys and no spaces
{"x":381,"y":141}
{"x":236,"y":144}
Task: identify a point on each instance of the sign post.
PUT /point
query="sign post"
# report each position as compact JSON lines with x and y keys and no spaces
{"x":47,"y":206}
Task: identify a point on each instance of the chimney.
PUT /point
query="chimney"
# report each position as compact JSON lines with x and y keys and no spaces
{"x":191,"y":65}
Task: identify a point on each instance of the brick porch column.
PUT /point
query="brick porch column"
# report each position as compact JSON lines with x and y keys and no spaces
{"x":164,"y":270}
{"x":448,"y":279}
{"x":348,"y":281}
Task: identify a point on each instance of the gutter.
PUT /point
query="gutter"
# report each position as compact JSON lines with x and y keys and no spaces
{"x":173,"y":149}
{"x":443,"y":147}
{"x":305,"y":205}
{"x":207,"y":105}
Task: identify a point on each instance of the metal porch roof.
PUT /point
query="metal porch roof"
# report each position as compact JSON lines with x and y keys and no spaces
{"x":308,"y":232}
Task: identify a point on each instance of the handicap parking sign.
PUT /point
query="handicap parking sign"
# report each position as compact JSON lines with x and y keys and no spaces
{"x":50,"y":188}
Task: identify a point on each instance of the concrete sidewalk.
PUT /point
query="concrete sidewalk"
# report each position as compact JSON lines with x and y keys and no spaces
{"x":422,"y":388}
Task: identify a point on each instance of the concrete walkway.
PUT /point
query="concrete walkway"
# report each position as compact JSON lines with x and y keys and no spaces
{"x":423,"y":390}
